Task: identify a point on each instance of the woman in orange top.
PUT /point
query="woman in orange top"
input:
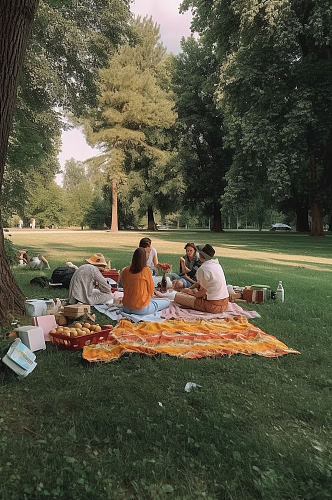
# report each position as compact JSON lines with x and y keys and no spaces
{"x":138,"y":287}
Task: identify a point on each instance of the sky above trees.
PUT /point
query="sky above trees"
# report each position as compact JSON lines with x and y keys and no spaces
{"x":173,"y":26}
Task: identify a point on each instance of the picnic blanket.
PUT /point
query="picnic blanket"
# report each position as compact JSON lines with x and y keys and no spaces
{"x":175,"y":311}
{"x":116,"y":313}
{"x":187,"y":339}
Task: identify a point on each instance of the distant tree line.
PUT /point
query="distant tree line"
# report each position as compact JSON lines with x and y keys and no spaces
{"x":237,"y":124}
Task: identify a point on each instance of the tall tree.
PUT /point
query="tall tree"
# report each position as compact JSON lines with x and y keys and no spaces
{"x":275,"y":93}
{"x":69,"y":42}
{"x":16,"y":20}
{"x":202,"y":152}
{"x":131,"y":103}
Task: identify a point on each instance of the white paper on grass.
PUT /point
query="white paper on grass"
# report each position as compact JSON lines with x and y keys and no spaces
{"x":191,"y":385}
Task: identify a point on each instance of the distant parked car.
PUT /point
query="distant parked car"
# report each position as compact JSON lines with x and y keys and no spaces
{"x":280,"y":227}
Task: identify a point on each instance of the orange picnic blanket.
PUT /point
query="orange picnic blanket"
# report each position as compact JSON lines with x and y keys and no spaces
{"x":187,"y":339}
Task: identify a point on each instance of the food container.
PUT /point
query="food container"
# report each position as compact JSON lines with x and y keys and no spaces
{"x":76,"y":310}
{"x":32,"y":337}
{"x":111,"y":273}
{"x":76,"y":343}
{"x":20,"y":358}
{"x":266,"y":289}
{"x":35,"y":307}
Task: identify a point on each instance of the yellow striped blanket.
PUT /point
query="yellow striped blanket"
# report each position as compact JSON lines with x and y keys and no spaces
{"x":187,"y":339}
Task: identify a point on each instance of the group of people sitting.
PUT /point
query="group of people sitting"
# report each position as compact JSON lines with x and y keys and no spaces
{"x":200,"y":283}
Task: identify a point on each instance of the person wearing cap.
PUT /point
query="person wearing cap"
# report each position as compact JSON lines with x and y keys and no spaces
{"x":210,"y":293}
{"x":88,"y":285}
{"x":139,"y":296}
{"x":189,"y":264}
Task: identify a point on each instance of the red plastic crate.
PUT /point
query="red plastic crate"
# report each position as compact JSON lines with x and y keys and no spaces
{"x":75,"y":343}
{"x":111,"y":273}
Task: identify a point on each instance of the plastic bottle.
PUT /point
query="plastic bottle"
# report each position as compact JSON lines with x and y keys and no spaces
{"x":280,"y":293}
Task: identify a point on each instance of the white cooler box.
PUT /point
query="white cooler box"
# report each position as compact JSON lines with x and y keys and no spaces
{"x":20,"y":359}
{"x":32,"y":337}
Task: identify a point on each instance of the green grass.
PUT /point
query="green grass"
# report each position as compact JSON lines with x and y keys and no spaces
{"x":257,"y":429}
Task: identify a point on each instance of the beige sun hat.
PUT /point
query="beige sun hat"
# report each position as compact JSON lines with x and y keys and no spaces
{"x":97,"y":259}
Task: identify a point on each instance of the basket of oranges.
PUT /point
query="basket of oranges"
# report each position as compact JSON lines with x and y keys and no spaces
{"x":79,"y":335}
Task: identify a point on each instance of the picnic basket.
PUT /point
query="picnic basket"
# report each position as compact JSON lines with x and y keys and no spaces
{"x":76,"y":343}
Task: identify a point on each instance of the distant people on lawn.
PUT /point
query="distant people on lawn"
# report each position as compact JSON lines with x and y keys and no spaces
{"x":189,"y":264}
{"x":88,"y":285}
{"x":36,"y":262}
{"x":209,"y":293}
{"x":20,"y":223}
{"x":139,"y":296}
{"x":151,"y":254}
{"x":32,"y":223}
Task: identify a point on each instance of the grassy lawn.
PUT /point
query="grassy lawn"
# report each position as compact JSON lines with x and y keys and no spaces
{"x":257,"y":429}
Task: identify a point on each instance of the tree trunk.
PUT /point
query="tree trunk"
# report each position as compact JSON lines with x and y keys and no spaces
{"x":316,"y":220}
{"x":302,"y":222}
{"x":330,"y":222}
{"x":114,"y":225}
{"x":316,"y":209}
{"x":216,"y":225}
{"x":16,"y":17}
{"x":151,"y":222}
{"x":11,"y":297}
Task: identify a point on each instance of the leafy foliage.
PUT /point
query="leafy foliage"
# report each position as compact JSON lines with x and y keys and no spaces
{"x":275,"y":96}
{"x":134,"y":110}
{"x":202,"y":152}
{"x":70,"y":41}
{"x":10,"y":251}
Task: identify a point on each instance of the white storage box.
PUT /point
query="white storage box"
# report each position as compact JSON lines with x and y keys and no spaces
{"x":20,"y":359}
{"x":35,"y":307}
{"x":32,"y":337}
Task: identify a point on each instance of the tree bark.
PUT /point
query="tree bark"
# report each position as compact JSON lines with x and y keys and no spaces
{"x":302,"y":222}
{"x":317,"y":228}
{"x":114,"y":224}
{"x":16,"y":21}
{"x":216,"y":226}
{"x":330,"y":222}
{"x":316,"y":209}
{"x":151,"y":222}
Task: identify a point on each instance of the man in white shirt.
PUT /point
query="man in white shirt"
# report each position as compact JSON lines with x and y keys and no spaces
{"x":210,"y":293}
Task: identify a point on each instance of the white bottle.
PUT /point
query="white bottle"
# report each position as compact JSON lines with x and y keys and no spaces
{"x":280,"y":293}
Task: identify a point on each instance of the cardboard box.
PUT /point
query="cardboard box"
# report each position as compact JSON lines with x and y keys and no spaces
{"x":32,"y":337}
{"x":233,"y":297}
{"x":76,"y":310}
{"x":61,"y":319}
{"x":47,"y":323}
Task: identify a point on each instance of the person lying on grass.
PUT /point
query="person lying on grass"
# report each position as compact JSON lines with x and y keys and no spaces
{"x":88,"y":285}
{"x":37,"y":262}
{"x":189,"y":264}
{"x":210,"y":293}
{"x":139,"y":296}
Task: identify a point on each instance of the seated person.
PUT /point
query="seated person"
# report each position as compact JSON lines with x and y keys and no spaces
{"x":151,"y":254}
{"x":189,"y":264}
{"x":37,"y":262}
{"x":138,"y":287}
{"x":88,"y":285}
{"x":210,"y":293}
